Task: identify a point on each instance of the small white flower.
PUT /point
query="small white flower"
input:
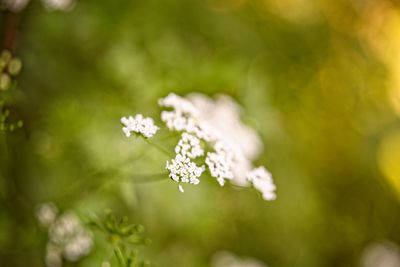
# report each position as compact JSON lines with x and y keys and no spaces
{"x":203,"y":131}
{"x":140,"y":125}
{"x":176,"y":120}
{"x":220,"y":163}
{"x":68,"y":236}
{"x":178,"y":103}
{"x":181,"y":169}
{"x":46,"y":214}
{"x":227,"y":259}
{"x":261,"y":179}
{"x":78,"y":246}
{"x":189,"y":146}
{"x":63,"y":5}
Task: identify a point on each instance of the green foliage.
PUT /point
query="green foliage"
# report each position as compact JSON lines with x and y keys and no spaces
{"x":5,"y":125}
{"x":9,"y":68}
{"x":123,"y":238}
{"x":311,"y":76}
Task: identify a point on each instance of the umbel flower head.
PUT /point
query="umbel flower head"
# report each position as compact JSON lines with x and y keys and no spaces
{"x":261,"y":179}
{"x":182,"y":169}
{"x":139,"y":125}
{"x":213,"y":139}
{"x":220,"y":163}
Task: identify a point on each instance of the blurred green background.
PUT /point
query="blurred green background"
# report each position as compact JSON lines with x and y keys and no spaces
{"x":320,"y":80}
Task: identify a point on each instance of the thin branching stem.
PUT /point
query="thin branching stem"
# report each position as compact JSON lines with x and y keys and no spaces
{"x":158,"y":147}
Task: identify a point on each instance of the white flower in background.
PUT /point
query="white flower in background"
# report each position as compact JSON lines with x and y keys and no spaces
{"x":68,"y":238}
{"x":227,"y":259}
{"x":63,"y":5}
{"x":383,"y":254}
{"x":14,"y":5}
{"x":46,"y":214}
{"x":139,"y":125}
{"x":53,"y":256}
{"x":19,"y":5}
{"x":68,"y":234}
{"x":261,"y":180}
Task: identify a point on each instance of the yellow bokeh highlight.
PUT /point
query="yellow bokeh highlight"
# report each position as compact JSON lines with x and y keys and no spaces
{"x":380,"y":28}
{"x":389,"y":160}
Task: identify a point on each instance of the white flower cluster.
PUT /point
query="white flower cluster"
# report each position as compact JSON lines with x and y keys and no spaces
{"x":139,"y":125}
{"x":46,"y":214}
{"x":212,"y":131}
{"x":183,"y":170}
{"x":189,"y":146}
{"x":220,"y":163}
{"x":68,"y":238}
{"x":181,"y":117}
{"x":261,"y":180}
{"x":19,"y":5}
{"x":233,"y":145}
{"x":184,"y":117}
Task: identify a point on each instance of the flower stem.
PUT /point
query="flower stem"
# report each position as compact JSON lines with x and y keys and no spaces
{"x":160,"y":148}
{"x":148,"y":178}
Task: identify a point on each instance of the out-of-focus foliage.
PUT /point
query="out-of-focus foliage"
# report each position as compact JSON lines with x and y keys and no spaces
{"x":319,"y":79}
{"x":123,"y":237}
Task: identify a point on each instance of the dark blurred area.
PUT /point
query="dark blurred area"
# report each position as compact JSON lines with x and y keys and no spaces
{"x":320,"y":80}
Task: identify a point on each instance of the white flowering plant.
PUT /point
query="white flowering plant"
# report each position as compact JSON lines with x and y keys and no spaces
{"x":212,"y":143}
{"x":212,"y":140}
{"x":68,"y":237}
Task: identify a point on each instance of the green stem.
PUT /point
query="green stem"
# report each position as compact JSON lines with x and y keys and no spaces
{"x":148,"y":178}
{"x":104,"y":182}
{"x":120,"y":257}
{"x":160,"y":148}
